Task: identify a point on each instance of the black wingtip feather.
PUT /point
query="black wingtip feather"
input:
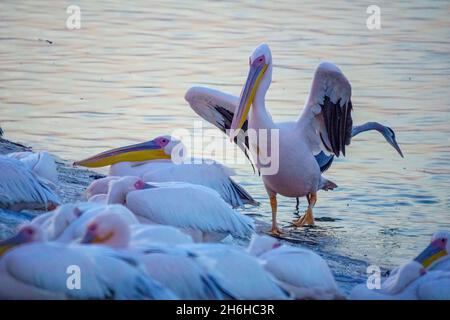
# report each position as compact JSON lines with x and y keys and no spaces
{"x":338,"y":123}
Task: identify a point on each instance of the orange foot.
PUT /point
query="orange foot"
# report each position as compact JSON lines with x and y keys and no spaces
{"x":306,"y":219}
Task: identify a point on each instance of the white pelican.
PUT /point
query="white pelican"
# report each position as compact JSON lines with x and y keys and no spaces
{"x":114,"y":230}
{"x":41,"y":163}
{"x":21,"y":188}
{"x":425,"y":277}
{"x":196,"y":209}
{"x":32,"y":268}
{"x":325,"y":124}
{"x":175,"y":269}
{"x":239,"y":274}
{"x":298,"y":270}
{"x":152,"y":161}
{"x":68,"y":222}
{"x":55,"y":222}
{"x":434,"y":285}
{"x":85,"y":212}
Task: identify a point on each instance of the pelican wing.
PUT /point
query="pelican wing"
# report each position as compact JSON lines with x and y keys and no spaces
{"x":103,"y":273}
{"x":186,"y":205}
{"x":324,"y":161}
{"x":21,"y":188}
{"x":181,"y":273}
{"x":218,"y":108}
{"x":143,"y":235}
{"x":213,"y":175}
{"x":41,"y":163}
{"x":240,"y":275}
{"x":314,"y":273}
{"x":328,"y":109}
{"x":434,"y":286}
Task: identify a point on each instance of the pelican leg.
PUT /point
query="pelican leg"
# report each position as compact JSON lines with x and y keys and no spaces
{"x":297,"y":205}
{"x":273,"y":204}
{"x":307,"y":218}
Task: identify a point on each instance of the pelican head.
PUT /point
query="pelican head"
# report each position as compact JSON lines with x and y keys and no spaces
{"x":257,"y":83}
{"x":439,"y":248}
{"x":159,"y":148}
{"x":26,"y":234}
{"x":262,"y":244}
{"x":118,"y":189}
{"x":109,"y":229}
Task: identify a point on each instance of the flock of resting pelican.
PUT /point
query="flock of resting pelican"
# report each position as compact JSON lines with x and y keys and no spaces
{"x":154,"y":229}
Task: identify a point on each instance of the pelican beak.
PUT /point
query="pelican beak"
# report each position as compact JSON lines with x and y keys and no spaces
{"x":432,"y":253}
{"x":145,"y":151}
{"x":91,"y":237}
{"x":10,"y":243}
{"x":255,"y":74}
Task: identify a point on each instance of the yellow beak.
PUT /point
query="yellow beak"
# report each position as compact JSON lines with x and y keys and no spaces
{"x":134,"y":153}
{"x":432,"y":253}
{"x":254,"y":77}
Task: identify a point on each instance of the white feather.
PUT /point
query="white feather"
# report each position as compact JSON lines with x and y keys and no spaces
{"x":41,"y":163}
{"x":142,"y":235}
{"x":432,"y":285}
{"x":237,"y":273}
{"x":186,"y":205}
{"x":196,"y":171}
{"x":21,"y":188}
{"x":39,"y":271}
{"x":75,"y":231}
{"x":302,"y":269}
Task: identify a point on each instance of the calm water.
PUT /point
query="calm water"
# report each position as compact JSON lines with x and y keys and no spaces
{"x":121,"y":78}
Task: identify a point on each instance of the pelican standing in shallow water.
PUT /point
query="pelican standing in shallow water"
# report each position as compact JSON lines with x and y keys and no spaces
{"x":324,"y":125}
{"x":152,"y":161}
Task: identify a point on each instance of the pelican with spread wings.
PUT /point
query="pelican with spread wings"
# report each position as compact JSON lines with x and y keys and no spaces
{"x":306,"y":146}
